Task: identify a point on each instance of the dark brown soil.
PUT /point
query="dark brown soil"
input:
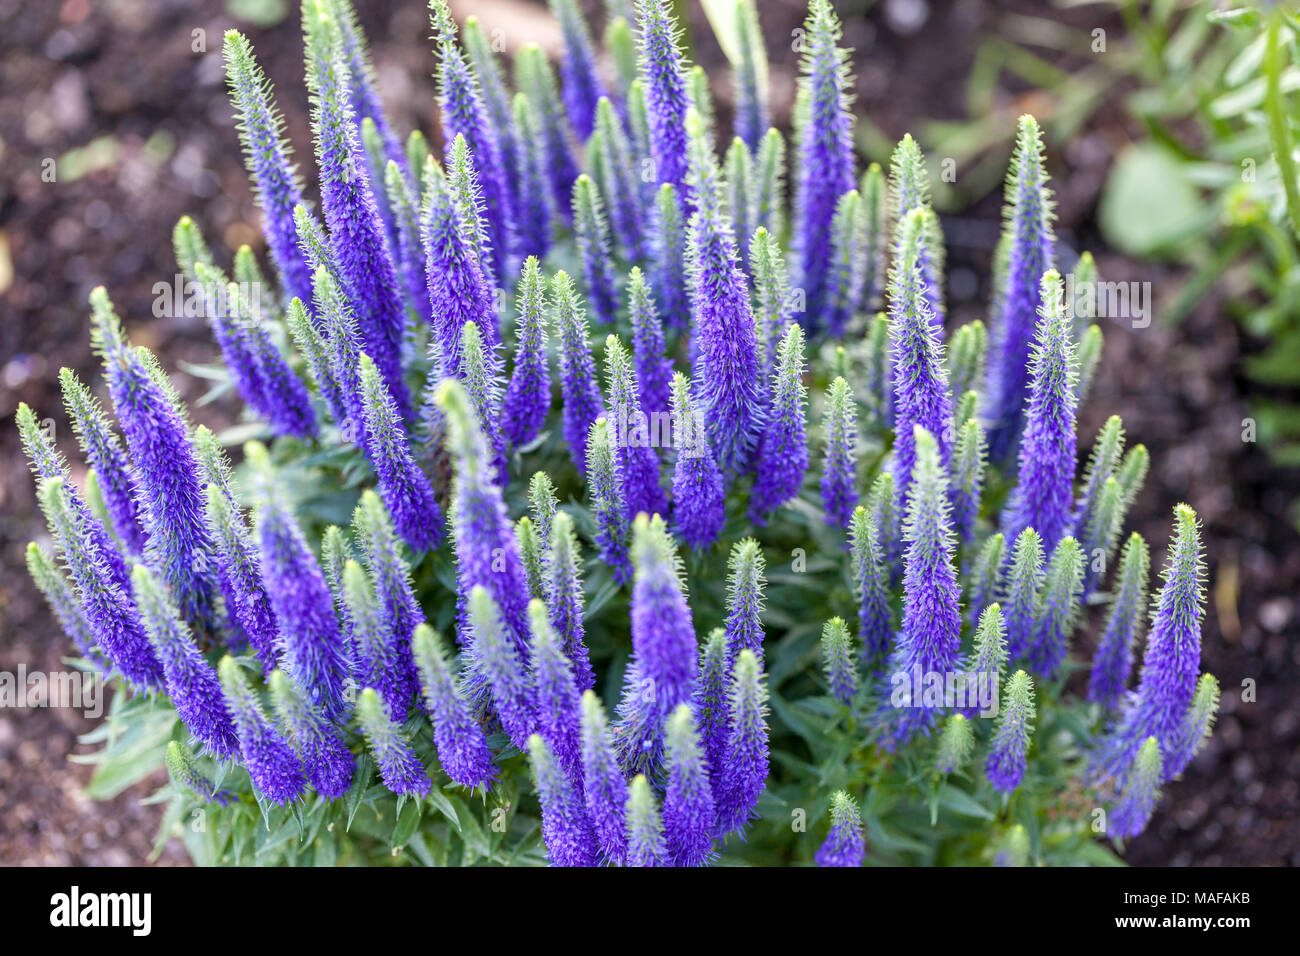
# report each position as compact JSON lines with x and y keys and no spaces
{"x":138,"y":126}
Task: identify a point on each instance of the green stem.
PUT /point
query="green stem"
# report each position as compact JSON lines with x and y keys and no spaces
{"x":1279,"y":129}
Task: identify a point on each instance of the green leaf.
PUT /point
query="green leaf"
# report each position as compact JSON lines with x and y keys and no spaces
{"x":1148,"y":205}
{"x":407,"y":821}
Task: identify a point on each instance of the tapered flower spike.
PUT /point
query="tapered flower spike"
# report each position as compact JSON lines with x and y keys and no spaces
{"x":618,"y":181}
{"x":1101,"y":533}
{"x":930,"y":640}
{"x":1044,"y":494}
{"x":985,"y":582}
{"x":582,"y":399}
{"x":668,"y":257}
{"x":313,"y":241}
{"x":558,"y":719}
{"x":771,"y":294}
{"x":1133,"y":472}
{"x":712,"y":703}
{"x":340,"y":346}
{"x":825,"y":162}
{"x":838,"y":661}
{"x":1196,"y":728}
{"x":528,"y":397}
{"x":185,"y":774}
{"x":534,"y":205}
{"x":284,"y":401}
{"x":190,"y":249}
{"x":1006,"y":761}
{"x":967,"y":478}
{"x":487,"y":553}
{"x":104,"y":454}
{"x":956,"y":744}
{"x":910,"y":193}
{"x":621,"y":46}
{"x":505,"y":670}
{"x":699,"y":505}
{"x":579,"y":75}
{"x":399,"y":767}
{"x":839,"y":466}
{"x":879,"y":372}
{"x":479,"y":375}
{"x":357,"y":238}
{"x":496,"y":106}
{"x":566,"y":830}
{"x":1024,"y":581}
{"x":459,"y":292}
{"x":1089,"y":356}
{"x":638,"y":461}
{"x":1029,"y":254}
{"x":645,"y":829}
{"x":276,"y":772}
{"x":1058,"y":609}
{"x":543,"y":506}
{"x":361,"y":72}
{"x":233,"y":333}
{"x":191,"y":682}
{"x":592,"y":233}
{"x":605,"y":792}
{"x":751,"y":118}
{"x":374,"y":647}
{"x":313,"y":651}
{"x":844,"y":844}
{"x":728,"y":382}
{"x":1083,"y":303}
{"x":921,"y":395}
{"x":746,"y":580}
{"x":530,"y":553}
{"x":313,"y":349}
{"x":871,"y":580}
{"x":564,"y":597}
{"x":605,"y":486}
{"x":846,"y":279}
{"x":769,"y":184}
{"x":1113,"y":662}
{"x":988,"y":662}
{"x":417,"y":154}
{"x":534,"y":78}
{"x":737,"y":179}
{"x":875,"y":209}
{"x":462,"y":748}
{"x":1159,"y":706}
{"x":467,"y":193}
{"x":108,"y":608}
{"x":59,"y":594}
{"x":653,"y":369}
{"x":404,"y":487}
{"x":663,"y":75}
{"x":688,"y":813}
{"x":268,"y":158}
{"x":167,"y":473}
{"x":460,"y":102}
{"x":966,"y":358}
{"x":638,"y":126}
{"x":783,"y":448}
{"x":1137,"y":801}
{"x":405,"y":205}
{"x":744,"y":771}
{"x":325,"y":756}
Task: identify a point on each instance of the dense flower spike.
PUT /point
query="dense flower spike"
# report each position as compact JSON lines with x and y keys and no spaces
{"x":956,"y":744}
{"x":1164,"y":693}
{"x":374,"y":646}
{"x":479,"y":376}
{"x":495,"y":659}
{"x":838,"y":661}
{"x":313,"y":652}
{"x":1088,"y":357}
{"x":166,"y":469}
{"x":535,"y":80}
{"x":361,"y":72}
{"x":662,"y":69}
{"x":1141,"y":792}
{"x":844,"y":844}
{"x":1024,"y":582}
{"x":1197,"y":725}
{"x":921,"y":395}
{"x":405,"y":205}
{"x":966,"y":356}
{"x":883,"y":505}
{"x":653,"y":369}
{"x":399,"y":767}
{"x":534,"y":205}
{"x":783,"y":447}
{"x":839,"y":466}
{"x":744,"y":769}
{"x":497,"y":109}
{"x":606,"y":485}
{"x":846,"y":280}
{"x":462,"y":749}
{"x":530,"y":553}
{"x":276,"y":772}
{"x":825,"y":154}
{"x":1044,"y":495}
{"x":911,"y":194}
{"x":579,"y":73}
{"x":986,"y":577}
{"x":404,"y":487}
{"x":771,"y":294}
{"x":751,"y":118}
{"x":1029,"y":250}
{"x":638,"y":461}
{"x":668,"y":258}
{"x":737,"y":180}
{"x":1006,"y":761}
{"x":267,"y":155}
{"x":325,"y":756}
{"x":604,"y":789}
{"x":183,"y":769}
{"x":357,"y":238}
{"x":1058,"y":609}
{"x":191,"y":682}
{"x":616,"y":174}
{"x":564,"y":597}
{"x":871,"y":581}
{"x":582,"y":400}
{"x":712,"y":703}
{"x":1113,"y":661}
{"x":645,"y":829}
{"x":689,"y":813}
{"x":967,"y":478}
{"x":58,"y":593}
{"x":464,"y":114}
{"x":569,"y":838}
{"x":989,"y":661}
{"x":728,"y":382}
{"x":1102,"y":463}
{"x":699,"y":506}
{"x":930,"y":640}
{"x":745,"y":582}
{"x":592,"y":233}
{"x":528,"y":397}
{"x":555,"y":693}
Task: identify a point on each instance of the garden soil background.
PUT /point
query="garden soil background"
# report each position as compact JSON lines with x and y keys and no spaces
{"x":140,"y":132}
